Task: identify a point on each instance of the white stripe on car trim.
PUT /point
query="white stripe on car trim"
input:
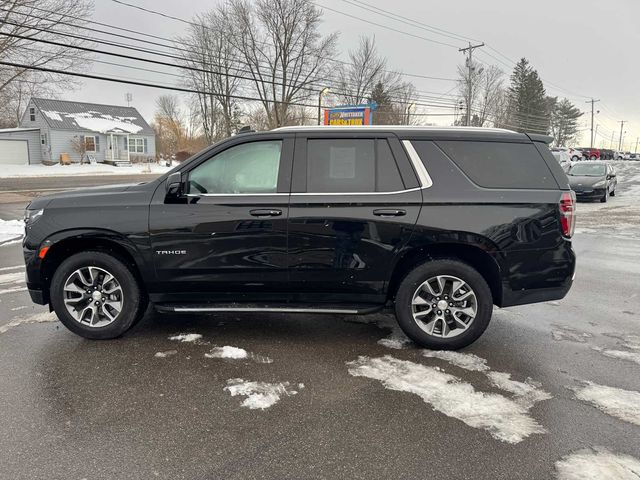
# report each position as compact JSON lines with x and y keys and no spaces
{"x":421,"y":170}
{"x":266,"y":309}
{"x":356,"y":193}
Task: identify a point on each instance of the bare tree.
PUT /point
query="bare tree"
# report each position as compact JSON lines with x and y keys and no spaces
{"x":285,"y":53}
{"x":79,"y":146}
{"x":469,"y":80}
{"x":359,"y":76}
{"x":213,"y":70}
{"x":488,"y":98}
{"x":22,"y":24}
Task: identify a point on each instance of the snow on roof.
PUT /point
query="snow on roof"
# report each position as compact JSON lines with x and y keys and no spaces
{"x":65,"y":115}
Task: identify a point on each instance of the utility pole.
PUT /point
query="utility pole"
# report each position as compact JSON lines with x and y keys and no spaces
{"x":469,"y":52}
{"x":611,"y":141}
{"x":622,"y":122}
{"x":637,"y":140}
{"x":592,"y":102}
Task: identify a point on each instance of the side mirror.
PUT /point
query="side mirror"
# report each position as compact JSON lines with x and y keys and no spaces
{"x":173,"y":184}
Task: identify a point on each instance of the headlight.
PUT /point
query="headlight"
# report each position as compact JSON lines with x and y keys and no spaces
{"x":30,"y":216}
{"x":598,"y":184}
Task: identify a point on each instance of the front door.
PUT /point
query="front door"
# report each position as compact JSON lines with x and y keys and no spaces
{"x":351,"y":211}
{"x":228,"y":239}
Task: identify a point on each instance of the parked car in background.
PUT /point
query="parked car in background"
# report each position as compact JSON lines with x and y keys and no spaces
{"x":618,"y":155}
{"x":634,"y":156}
{"x":590,"y":153}
{"x":437,"y":225}
{"x":606,"y":154}
{"x":571,"y":153}
{"x":593,"y":181}
{"x":563,"y":158}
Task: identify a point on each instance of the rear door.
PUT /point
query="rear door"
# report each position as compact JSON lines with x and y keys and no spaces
{"x":354,"y":203}
{"x":227,"y":238}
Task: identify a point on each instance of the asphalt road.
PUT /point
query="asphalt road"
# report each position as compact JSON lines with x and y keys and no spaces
{"x":75,"y":409}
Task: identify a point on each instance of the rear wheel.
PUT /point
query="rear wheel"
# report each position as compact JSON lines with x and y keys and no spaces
{"x":592,"y":157}
{"x":444,"y":305}
{"x":96,"y":295}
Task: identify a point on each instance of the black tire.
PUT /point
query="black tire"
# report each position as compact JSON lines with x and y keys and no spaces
{"x":613,"y":193}
{"x":133,"y":306}
{"x":605,"y":196}
{"x":422,"y":273}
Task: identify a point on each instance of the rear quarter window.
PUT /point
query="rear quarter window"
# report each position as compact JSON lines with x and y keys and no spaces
{"x":500,"y":164}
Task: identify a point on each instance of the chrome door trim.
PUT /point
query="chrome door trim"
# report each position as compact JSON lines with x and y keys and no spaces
{"x":421,"y":170}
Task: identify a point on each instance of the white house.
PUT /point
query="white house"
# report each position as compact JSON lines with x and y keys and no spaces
{"x":48,"y":128}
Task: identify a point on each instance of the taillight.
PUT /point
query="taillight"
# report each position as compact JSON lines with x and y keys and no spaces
{"x":567,"y":213}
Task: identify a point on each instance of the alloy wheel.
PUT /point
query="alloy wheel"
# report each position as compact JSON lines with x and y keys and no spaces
{"x":93,"y":296}
{"x":444,"y":306}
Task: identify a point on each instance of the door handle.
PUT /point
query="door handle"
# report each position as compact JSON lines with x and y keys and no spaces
{"x":387,"y":212}
{"x":265,"y":212}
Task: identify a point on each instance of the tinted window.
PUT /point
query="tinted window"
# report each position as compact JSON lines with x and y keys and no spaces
{"x":351,"y":165}
{"x":588,"y":169}
{"x":500,"y":165}
{"x":246,"y":168}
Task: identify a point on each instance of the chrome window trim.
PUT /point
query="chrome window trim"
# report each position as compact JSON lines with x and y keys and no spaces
{"x":421,"y":170}
{"x":356,"y":193}
{"x":236,"y":194}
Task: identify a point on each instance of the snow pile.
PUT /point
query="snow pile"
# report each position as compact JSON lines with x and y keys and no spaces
{"x":186,"y":337}
{"x":622,"y":404}
{"x":619,"y":354}
{"x":227,"y":352}
{"x":11,"y":230}
{"x":598,"y":464}
{"x":260,"y":395}
{"x":468,"y":361}
{"x":37,"y":318}
{"x":504,"y":419}
{"x":166,"y":354}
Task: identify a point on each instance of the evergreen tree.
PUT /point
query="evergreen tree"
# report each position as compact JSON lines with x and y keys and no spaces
{"x":528,"y":107}
{"x":564,"y":122}
{"x":385,"y":106}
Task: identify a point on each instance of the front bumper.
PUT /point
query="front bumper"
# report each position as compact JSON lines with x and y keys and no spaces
{"x":590,"y":194}
{"x":33,"y":270}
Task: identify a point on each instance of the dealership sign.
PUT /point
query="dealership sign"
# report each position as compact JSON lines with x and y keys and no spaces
{"x":350,"y":115}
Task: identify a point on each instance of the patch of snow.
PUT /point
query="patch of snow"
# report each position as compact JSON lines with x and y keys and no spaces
{"x":165,"y":354}
{"x":186,"y":337}
{"x":103,"y":123}
{"x":227,"y":352}
{"x":11,"y":230}
{"x":619,"y":354}
{"x":15,"y":309}
{"x":630,"y":341}
{"x":564,"y":332}
{"x":37,"y":318}
{"x":527,"y":393}
{"x":17,"y":277}
{"x":619,"y":403}
{"x":23,"y":171}
{"x":260,"y":395}
{"x":468,"y":361}
{"x":17,"y":267}
{"x":13,"y":290}
{"x":504,"y":419}
{"x":53,"y":115}
{"x":597,"y":464}
{"x":396,"y":339}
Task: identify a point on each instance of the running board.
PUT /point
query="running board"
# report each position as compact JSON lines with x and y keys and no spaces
{"x":283,"y":308}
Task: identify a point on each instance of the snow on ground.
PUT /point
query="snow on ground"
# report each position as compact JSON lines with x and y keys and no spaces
{"x":630,"y":341}
{"x":396,"y":339}
{"x":526,"y":393}
{"x":468,"y":361}
{"x":37,"y":318}
{"x":564,"y":332}
{"x":620,"y":354}
{"x":12,"y":171}
{"x":11,"y":230}
{"x":504,"y":419}
{"x":227,"y":352}
{"x":186,"y":337}
{"x":597,"y":464}
{"x":619,"y":403}
{"x":260,"y":395}
{"x":165,"y":354}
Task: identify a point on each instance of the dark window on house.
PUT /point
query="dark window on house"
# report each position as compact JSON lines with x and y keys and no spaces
{"x":351,"y":165}
{"x":32,"y":114}
{"x":43,"y":139}
{"x":500,"y":164}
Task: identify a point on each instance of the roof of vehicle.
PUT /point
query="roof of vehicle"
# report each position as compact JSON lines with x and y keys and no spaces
{"x":403,"y":131}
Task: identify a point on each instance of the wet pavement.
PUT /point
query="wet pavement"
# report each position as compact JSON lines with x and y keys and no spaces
{"x":74,"y":408}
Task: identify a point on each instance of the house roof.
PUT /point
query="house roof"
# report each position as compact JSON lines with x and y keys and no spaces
{"x":10,"y":130}
{"x":94,"y":117}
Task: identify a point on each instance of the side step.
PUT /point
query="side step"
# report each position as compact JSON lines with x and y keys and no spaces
{"x":357,"y":309}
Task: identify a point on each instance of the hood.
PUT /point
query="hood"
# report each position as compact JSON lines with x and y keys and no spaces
{"x":584,"y":180}
{"x":81,"y":193}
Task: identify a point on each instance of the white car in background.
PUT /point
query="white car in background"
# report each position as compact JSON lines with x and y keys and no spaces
{"x":563,"y":157}
{"x":573,"y":154}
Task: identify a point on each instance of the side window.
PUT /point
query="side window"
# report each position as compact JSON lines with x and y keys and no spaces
{"x":247,"y":168}
{"x":351,"y":165}
{"x":500,"y":164}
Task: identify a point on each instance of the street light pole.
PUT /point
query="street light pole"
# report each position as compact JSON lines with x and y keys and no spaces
{"x":324,"y":91}
{"x":409,"y":108}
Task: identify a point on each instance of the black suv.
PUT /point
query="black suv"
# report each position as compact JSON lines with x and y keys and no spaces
{"x":438,"y":224}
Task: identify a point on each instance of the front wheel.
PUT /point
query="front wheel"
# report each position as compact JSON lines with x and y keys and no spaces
{"x":592,"y":157}
{"x":443,"y":305}
{"x":96,"y":295}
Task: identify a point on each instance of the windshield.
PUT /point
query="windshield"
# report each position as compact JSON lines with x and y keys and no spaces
{"x":588,"y":169}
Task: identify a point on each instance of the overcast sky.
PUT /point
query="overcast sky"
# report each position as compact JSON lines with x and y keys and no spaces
{"x":581,"y":48}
